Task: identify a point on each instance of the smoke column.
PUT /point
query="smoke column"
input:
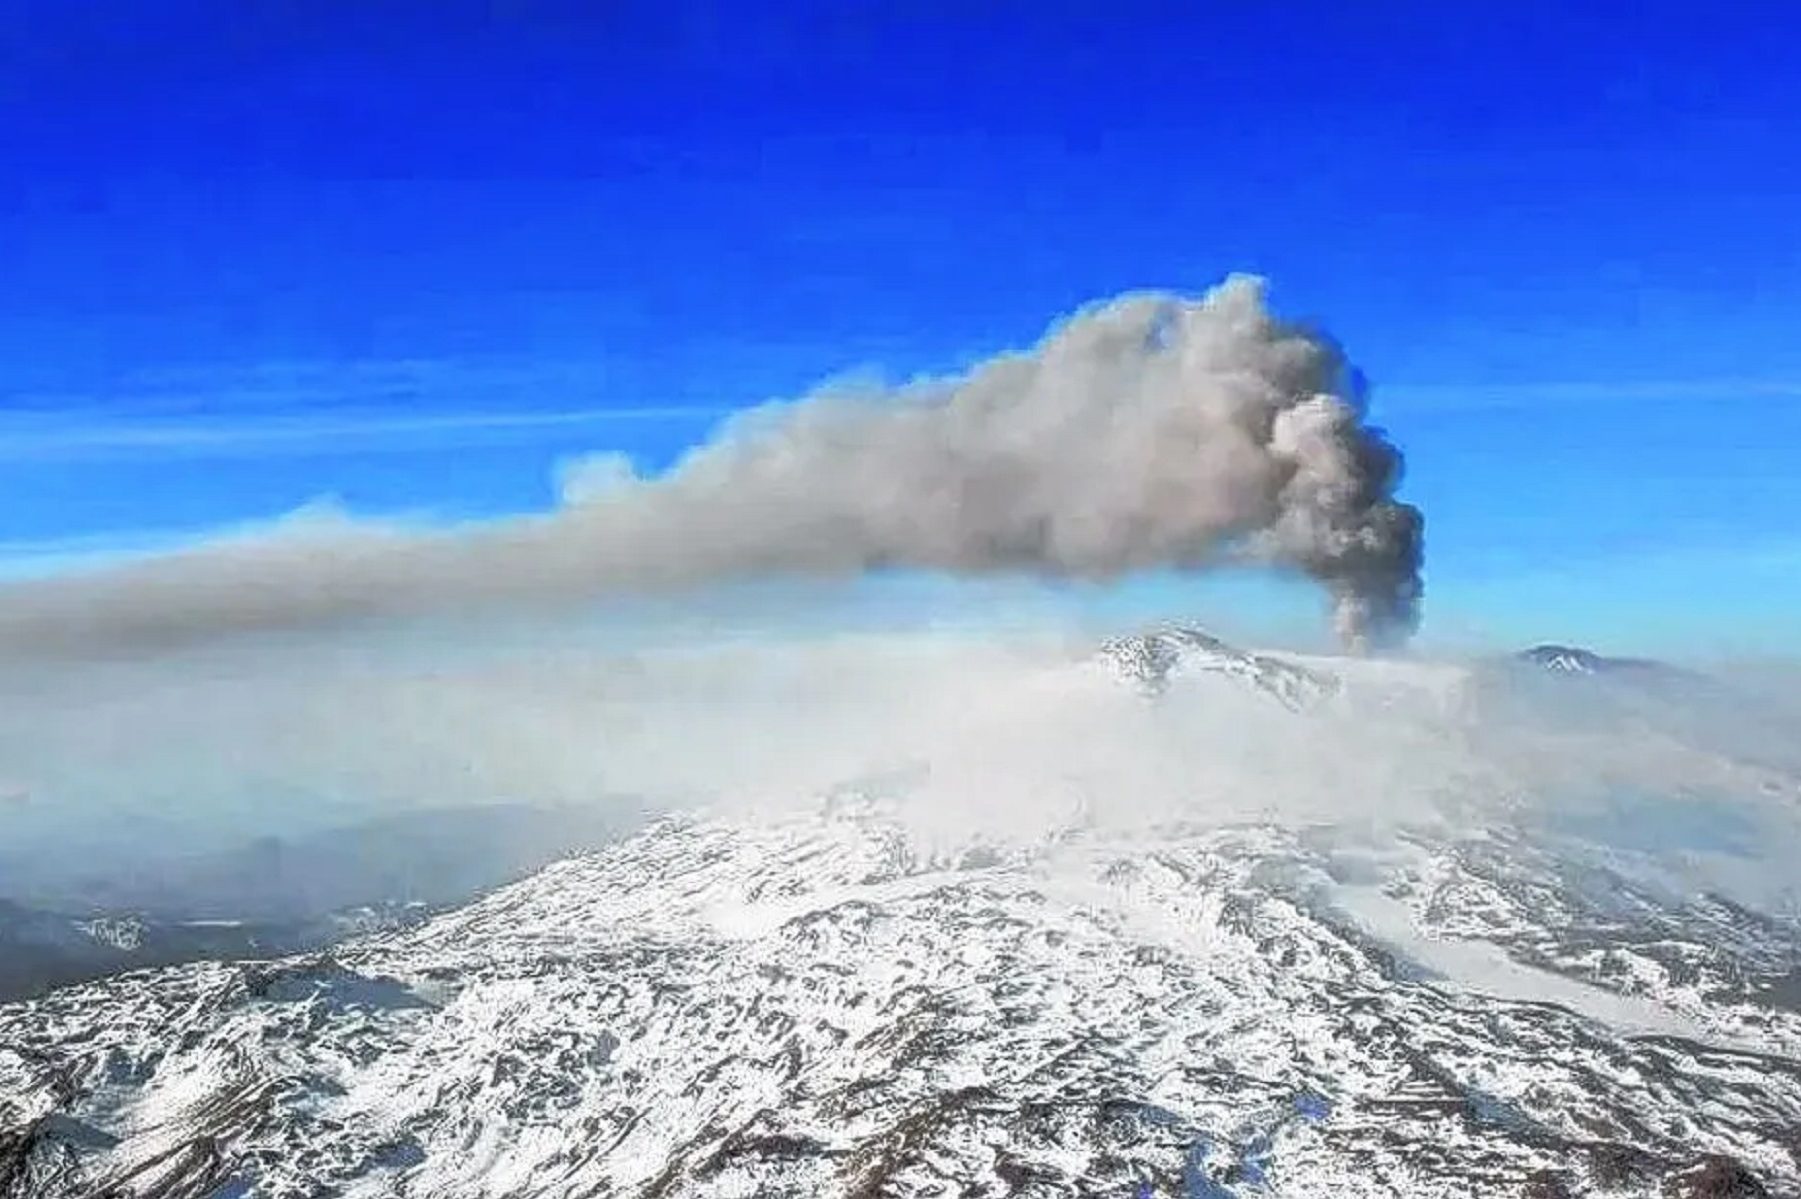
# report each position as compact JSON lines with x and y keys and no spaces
{"x":1150,"y":431}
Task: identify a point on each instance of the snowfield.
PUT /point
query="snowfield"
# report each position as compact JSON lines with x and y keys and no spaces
{"x":822,"y":1000}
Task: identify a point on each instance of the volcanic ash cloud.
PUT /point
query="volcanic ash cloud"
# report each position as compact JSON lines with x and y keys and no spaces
{"x":1150,"y":431}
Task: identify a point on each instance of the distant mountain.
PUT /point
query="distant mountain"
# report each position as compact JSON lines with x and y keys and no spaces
{"x":432,"y":856}
{"x":1569,"y":659}
{"x":41,"y":950}
{"x":1574,"y":683}
{"x":275,"y":896}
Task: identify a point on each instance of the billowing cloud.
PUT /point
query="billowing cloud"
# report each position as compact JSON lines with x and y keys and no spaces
{"x":1152,"y":431}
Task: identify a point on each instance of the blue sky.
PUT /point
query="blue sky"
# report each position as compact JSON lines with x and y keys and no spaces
{"x":409,"y":256}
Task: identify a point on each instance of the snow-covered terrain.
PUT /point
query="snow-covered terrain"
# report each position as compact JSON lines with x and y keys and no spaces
{"x":834,"y":998}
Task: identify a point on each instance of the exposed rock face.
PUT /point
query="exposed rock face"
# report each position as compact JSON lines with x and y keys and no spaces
{"x":1716,"y":1177}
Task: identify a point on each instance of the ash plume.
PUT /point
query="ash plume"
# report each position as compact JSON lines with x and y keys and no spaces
{"x":1151,"y":431}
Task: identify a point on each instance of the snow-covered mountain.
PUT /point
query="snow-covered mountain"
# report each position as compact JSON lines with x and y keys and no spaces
{"x":821,"y":1001}
{"x":1570,"y":659}
{"x":1168,"y":656}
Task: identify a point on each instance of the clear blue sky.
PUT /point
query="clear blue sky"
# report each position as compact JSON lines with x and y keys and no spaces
{"x":252,"y":254}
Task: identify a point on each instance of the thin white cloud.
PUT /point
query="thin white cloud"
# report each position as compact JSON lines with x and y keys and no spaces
{"x":385,"y":405}
{"x":1458,"y":397}
{"x":77,"y":436}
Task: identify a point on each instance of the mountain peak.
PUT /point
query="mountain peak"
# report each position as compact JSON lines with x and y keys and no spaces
{"x":1567,"y":659}
{"x":1155,"y":659}
{"x":1570,"y":659}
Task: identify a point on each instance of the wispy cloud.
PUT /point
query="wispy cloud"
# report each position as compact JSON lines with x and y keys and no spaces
{"x":76,"y":435}
{"x":1457,"y":397}
{"x":303,"y":408}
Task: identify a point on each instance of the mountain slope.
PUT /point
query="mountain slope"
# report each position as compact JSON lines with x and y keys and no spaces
{"x":824,"y":1000}
{"x":806,"y":1007}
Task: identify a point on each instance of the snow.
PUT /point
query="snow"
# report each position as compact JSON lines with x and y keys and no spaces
{"x":834,"y":999}
{"x":1485,"y":968}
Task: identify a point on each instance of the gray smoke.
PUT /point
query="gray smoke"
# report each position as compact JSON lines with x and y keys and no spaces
{"x":1152,"y":431}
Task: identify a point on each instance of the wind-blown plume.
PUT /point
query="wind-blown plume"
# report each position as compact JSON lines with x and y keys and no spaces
{"x":1152,"y":431}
